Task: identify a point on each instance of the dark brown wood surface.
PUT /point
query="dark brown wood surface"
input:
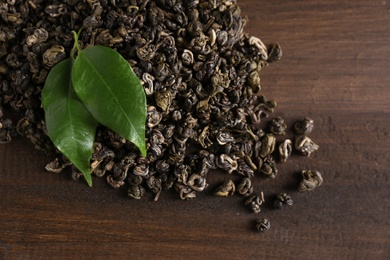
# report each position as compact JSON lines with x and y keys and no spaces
{"x":335,"y":69}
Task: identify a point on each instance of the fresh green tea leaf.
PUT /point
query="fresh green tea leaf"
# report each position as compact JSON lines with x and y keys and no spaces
{"x":108,"y":87}
{"x":69,"y":124}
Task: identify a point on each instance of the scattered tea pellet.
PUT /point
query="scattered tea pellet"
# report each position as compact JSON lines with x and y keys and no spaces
{"x":311,"y":180}
{"x":263,"y":225}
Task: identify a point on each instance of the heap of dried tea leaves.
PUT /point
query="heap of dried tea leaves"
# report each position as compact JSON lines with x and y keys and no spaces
{"x":200,"y":72}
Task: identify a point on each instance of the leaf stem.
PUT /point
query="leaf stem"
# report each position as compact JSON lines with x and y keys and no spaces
{"x":76,"y":46}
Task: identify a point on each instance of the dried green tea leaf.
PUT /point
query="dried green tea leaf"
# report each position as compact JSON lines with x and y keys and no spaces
{"x":108,"y":87}
{"x":70,"y":126}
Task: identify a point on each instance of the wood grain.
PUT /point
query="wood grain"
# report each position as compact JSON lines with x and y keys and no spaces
{"x":335,"y":69}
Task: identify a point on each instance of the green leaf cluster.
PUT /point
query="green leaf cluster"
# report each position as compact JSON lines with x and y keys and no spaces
{"x":96,"y":86}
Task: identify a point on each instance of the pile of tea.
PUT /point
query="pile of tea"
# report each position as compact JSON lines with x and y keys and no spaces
{"x":200,"y":72}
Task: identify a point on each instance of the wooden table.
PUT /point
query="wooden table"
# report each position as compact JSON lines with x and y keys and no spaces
{"x":335,"y":69}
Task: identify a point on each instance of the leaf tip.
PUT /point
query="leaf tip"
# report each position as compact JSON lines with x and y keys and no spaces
{"x":142,"y":148}
{"x":88,"y":178}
